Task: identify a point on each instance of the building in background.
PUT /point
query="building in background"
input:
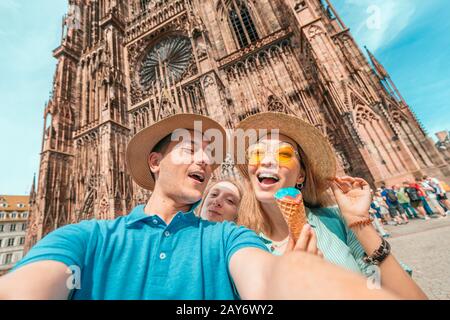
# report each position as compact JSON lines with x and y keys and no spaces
{"x":123,"y":65}
{"x":14,"y":213}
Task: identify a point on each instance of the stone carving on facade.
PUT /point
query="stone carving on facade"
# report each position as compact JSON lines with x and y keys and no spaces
{"x":201,"y":51}
{"x":277,"y":36}
{"x":389,"y":118}
{"x":364,"y":114}
{"x":342,"y":159}
{"x":208,"y":80}
{"x":104,"y":208}
{"x":227,"y":167}
{"x":314,"y":31}
{"x":195,"y":24}
{"x":299,"y":5}
{"x":276,"y":105}
{"x":350,"y":123}
{"x":152,"y":19}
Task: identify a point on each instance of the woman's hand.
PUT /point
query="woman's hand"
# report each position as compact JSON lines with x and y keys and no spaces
{"x":353,"y":198}
{"x":307,"y":242}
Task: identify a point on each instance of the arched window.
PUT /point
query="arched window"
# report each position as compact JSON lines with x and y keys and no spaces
{"x":242,"y":23}
{"x":48,"y":126}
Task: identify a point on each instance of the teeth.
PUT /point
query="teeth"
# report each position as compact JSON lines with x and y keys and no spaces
{"x":268,"y":175}
{"x":263,"y":176}
{"x":199,"y":176}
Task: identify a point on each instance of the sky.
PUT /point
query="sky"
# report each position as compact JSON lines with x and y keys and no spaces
{"x":410,"y":37}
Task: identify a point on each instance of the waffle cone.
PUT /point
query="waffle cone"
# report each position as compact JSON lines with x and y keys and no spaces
{"x":295,"y":216}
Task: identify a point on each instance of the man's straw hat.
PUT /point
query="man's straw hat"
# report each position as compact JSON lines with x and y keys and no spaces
{"x":318,"y":152}
{"x":142,"y":144}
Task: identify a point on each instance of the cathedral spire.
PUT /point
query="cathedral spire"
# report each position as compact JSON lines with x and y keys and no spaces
{"x":378,"y":67}
{"x":33,"y":190}
{"x":385,"y":78}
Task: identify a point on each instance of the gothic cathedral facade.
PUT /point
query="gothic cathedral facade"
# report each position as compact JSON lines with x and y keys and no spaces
{"x":125,"y":64}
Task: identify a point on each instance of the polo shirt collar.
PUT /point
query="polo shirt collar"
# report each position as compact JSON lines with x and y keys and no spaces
{"x":138,"y":215}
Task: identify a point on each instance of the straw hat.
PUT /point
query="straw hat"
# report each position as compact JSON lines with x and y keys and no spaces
{"x":319,"y":155}
{"x":141,"y":145}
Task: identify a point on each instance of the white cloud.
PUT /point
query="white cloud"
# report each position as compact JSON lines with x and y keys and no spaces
{"x":379,"y":22}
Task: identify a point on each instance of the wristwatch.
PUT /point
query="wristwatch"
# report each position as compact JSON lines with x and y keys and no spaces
{"x":380,"y":254}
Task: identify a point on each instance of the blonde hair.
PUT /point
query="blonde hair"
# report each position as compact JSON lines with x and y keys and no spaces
{"x":237,"y":183}
{"x":252,"y":216}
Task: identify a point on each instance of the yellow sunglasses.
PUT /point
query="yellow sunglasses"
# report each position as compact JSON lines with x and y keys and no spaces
{"x":283,"y":154}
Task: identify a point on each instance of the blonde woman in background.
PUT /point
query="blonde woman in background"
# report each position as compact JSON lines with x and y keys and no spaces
{"x":221,"y":201}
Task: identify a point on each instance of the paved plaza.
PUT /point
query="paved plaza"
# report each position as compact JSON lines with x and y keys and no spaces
{"x":425,"y":247}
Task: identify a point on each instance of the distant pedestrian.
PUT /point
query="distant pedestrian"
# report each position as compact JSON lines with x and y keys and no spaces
{"x":432,"y":197}
{"x":405,"y":202}
{"x":384,"y":211}
{"x":422,"y":195}
{"x":396,"y":211}
{"x":441,"y":194}
{"x":375,"y":212}
{"x":414,"y":196}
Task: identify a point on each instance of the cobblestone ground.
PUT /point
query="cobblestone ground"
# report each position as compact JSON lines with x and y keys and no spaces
{"x":425,"y":247}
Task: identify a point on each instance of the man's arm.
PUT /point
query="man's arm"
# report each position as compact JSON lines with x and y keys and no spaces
{"x":43,"y":280}
{"x":296,"y":275}
{"x":43,"y":272}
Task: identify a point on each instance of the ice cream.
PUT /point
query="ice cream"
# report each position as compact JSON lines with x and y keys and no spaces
{"x":290,"y":202}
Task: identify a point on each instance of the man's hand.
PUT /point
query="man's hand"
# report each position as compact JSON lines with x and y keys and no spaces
{"x":307,"y":242}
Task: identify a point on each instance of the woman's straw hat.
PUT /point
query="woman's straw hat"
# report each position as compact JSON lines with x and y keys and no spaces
{"x":318,"y":152}
{"x":142,"y":144}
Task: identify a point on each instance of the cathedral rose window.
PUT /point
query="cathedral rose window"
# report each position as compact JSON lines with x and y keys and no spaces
{"x":166,"y":61}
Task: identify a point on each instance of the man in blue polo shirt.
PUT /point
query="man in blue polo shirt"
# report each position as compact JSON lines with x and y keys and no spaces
{"x":162,"y":250}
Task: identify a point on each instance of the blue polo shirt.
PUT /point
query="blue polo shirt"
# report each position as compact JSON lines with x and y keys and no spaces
{"x":140,"y":257}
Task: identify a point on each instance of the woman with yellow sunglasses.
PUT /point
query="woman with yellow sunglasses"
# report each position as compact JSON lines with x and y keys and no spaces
{"x":300,"y":156}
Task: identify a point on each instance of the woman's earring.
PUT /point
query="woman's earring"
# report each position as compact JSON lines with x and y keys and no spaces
{"x":300,"y":186}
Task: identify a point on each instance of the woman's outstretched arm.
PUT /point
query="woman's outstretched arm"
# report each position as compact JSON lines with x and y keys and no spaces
{"x":354,"y":198}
